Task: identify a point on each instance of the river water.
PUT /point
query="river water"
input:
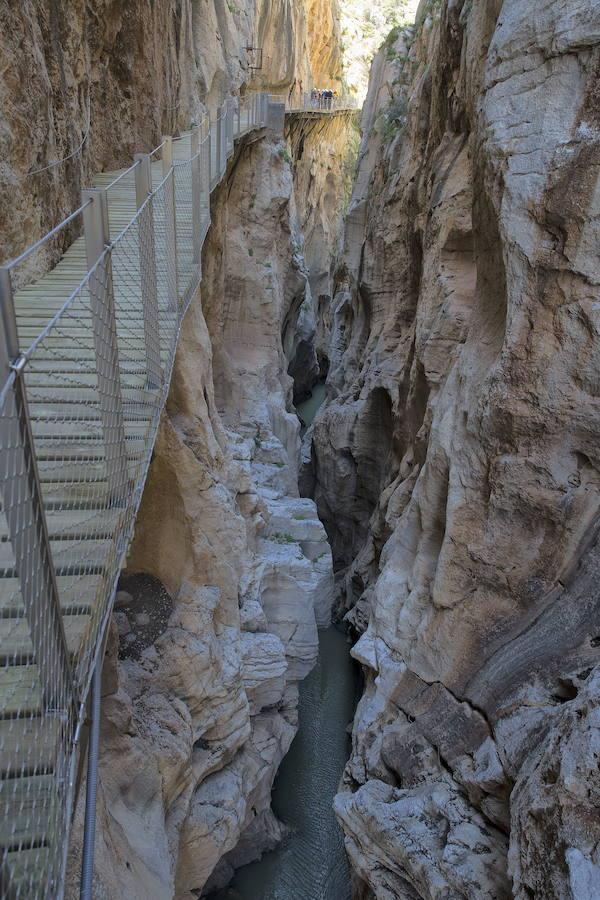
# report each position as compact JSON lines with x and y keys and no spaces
{"x":307,"y":410}
{"x":310,"y":864}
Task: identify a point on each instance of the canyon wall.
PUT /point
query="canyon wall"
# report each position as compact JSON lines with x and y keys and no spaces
{"x":323,"y":150}
{"x":230,"y":573}
{"x":455,"y":464}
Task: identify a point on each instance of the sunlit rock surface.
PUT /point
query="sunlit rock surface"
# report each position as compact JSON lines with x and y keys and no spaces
{"x":455,"y":464}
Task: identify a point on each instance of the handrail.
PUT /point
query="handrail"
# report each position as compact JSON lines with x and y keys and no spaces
{"x":12,"y":263}
{"x":122,"y":175}
{"x":156,"y":149}
{"x":72,"y":155}
{"x":311,"y":102}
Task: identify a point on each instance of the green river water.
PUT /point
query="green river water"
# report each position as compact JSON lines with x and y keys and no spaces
{"x":310,"y":863}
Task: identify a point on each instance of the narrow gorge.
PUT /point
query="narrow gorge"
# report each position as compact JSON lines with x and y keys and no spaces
{"x":354,"y":651}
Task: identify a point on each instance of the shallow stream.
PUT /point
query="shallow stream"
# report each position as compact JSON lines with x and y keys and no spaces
{"x":307,"y":410}
{"x":310,"y":864}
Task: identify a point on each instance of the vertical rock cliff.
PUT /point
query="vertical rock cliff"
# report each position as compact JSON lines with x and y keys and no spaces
{"x":455,"y":465}
{"x":230,"y":573}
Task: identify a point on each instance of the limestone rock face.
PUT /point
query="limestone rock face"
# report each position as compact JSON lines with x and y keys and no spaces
{"x":326,"y":152}
{"x":455,"y":465}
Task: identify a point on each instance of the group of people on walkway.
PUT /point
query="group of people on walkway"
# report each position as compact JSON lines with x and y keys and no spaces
{"x":323,"y":99}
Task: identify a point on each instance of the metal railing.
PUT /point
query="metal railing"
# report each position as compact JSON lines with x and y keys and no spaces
{"x":316,"y":101}
{"x":86,"y":355}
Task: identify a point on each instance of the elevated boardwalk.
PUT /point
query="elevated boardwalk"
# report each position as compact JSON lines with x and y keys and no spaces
{"x":86,"y":353}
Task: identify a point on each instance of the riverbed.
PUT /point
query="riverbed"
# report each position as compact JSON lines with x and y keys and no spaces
{"x":310,"y":864}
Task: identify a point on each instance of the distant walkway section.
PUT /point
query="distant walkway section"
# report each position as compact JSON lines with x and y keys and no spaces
{"x":317,"y":102}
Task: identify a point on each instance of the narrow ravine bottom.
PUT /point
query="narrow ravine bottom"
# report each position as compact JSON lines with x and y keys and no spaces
{"x":310,"y":864}
{"x":308,"y":409}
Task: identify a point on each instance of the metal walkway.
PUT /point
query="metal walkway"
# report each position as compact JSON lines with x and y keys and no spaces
{"x":86,"y":354}
{"x":306,"y":103}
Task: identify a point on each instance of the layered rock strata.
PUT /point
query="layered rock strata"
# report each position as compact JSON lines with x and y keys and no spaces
{"x":455,"y":465}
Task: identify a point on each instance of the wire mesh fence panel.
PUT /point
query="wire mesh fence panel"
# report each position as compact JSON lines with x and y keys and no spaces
{"x":38,"y":720}
{"x":188,"y":268}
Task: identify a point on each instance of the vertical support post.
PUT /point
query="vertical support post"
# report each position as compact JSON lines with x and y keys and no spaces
{"x":104,"y":327}
{"x":238,"y":111}
{"x":23,"y":506}
{"x":210,"y":163}
{"x":223,"y":157}
{"x":196,"y":195}
{"x":91,"y":787}
{"x":226,"y":112}
{"x":170,"y":221}
{"x":205,"y":173}
{"x":219,"y":126}
{"x":148,"y":276}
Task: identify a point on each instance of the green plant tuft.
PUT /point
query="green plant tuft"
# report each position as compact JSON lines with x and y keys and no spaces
{"x":282,"y":537}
